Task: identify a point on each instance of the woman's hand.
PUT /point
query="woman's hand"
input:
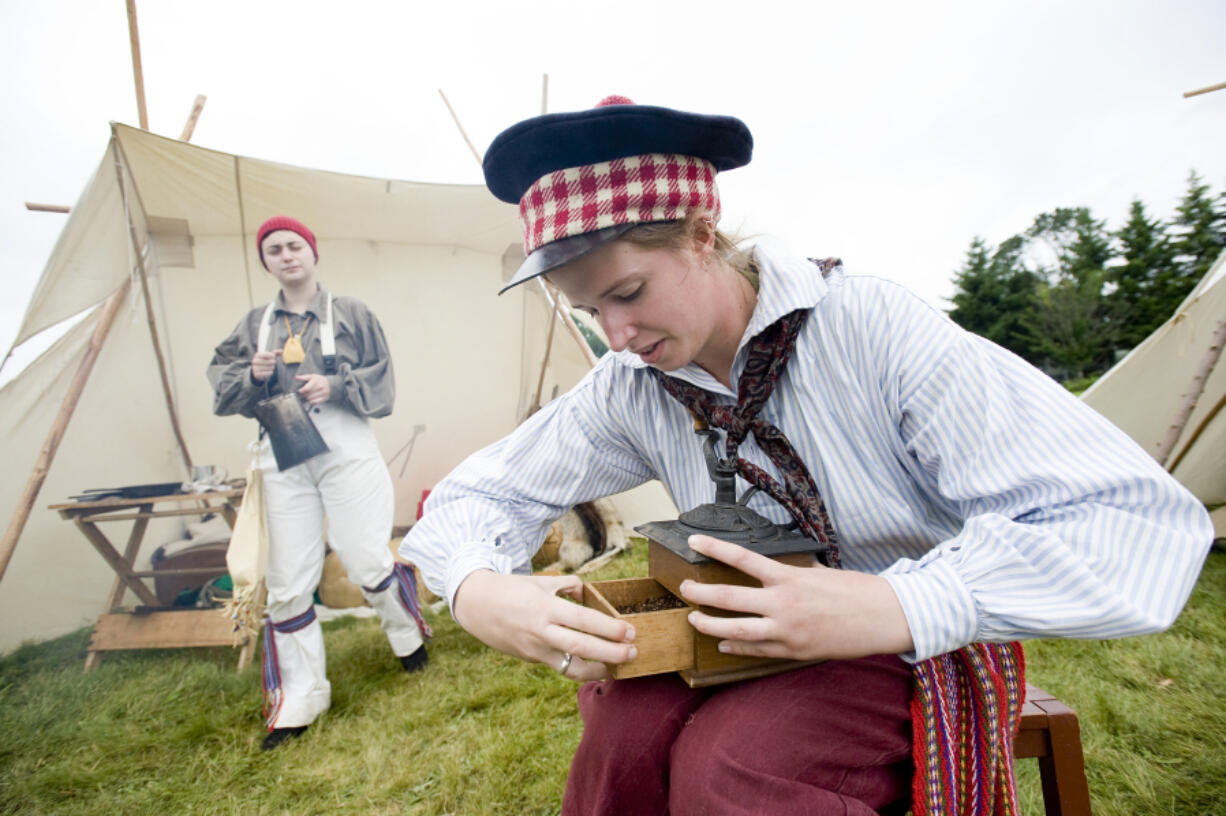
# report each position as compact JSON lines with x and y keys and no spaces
{"x":315,"y":388}
{"x":524,"y":616}
{"x":263,"y":364}
{"x":803,"y":613}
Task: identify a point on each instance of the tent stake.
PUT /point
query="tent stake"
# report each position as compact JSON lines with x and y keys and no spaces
{"x":37,"y":476}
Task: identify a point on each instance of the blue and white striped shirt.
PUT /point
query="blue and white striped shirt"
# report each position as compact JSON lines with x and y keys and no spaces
{"x":997,"y":505}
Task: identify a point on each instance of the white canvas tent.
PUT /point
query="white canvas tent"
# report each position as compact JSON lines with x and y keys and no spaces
{"x":1168,"y":393}
{"x":179,"y":220}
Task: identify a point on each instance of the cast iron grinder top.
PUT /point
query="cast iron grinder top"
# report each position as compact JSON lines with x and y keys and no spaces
{"x":727,"y":517}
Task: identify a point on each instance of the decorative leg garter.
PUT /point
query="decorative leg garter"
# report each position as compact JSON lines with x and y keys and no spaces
{"x":406,"y":587}
{"x":273,"y":696}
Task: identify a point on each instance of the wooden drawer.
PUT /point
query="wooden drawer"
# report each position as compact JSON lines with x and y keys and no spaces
{"x":665,"y":640}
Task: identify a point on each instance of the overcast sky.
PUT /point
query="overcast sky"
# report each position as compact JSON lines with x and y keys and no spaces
{"x":889,"y":134}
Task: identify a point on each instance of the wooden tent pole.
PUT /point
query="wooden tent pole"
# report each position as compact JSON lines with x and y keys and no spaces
{"x":569,"y":322}
{"x":37,"y":476}
{"x":53,"y":208}
{"x":153,"y":329}
{"x":553,"y":293}
{"x":1218,"y":87}
{"x":190,"y":126}
{"x":540,"y":382}
{"x":1195,"y":389}
{"x":1197,"y":431}
{"x":456,"y":119}
{"x":138,"y":75}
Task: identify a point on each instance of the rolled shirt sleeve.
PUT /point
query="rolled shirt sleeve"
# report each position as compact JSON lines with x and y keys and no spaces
{"x":1068,"y":528}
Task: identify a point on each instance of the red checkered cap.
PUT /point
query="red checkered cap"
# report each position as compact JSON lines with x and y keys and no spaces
{"x":632,"y":190}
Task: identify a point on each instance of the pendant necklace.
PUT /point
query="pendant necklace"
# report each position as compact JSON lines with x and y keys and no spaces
{"x":292,"y":353}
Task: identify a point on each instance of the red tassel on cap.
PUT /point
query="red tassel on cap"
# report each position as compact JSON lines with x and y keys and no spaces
{"x":615,"y":100}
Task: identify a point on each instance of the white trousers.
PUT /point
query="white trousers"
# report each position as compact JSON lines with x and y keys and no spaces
{"x":350,"y":487}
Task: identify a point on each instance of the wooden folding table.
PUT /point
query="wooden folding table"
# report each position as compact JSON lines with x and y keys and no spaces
{"x":152,"y":624}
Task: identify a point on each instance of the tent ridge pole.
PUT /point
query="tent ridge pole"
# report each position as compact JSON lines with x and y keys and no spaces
{"x":1195,"y":389}
{"x":1196,"y":432}
{"x":540,"y":383}
{"x":456,"y":119}
{"x":42,"y":465}
{"x":569,"y":322}
{"x":242,"y":231}
{"x":138,"y":74}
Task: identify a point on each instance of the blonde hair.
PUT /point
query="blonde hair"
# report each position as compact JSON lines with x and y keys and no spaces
{"x":681,"y":233}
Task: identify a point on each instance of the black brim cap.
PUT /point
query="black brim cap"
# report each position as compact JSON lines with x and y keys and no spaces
{"x":556,"y":253}
{"x":523,"y":154}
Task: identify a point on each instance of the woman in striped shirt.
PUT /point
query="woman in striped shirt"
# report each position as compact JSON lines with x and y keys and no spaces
{"x":964,"y":500}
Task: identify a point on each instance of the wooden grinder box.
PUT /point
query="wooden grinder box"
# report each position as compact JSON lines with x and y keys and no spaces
{"x":665,"y":640}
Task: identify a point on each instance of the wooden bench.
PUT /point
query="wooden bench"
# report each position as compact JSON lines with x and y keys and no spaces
{"x":1050,"y":733}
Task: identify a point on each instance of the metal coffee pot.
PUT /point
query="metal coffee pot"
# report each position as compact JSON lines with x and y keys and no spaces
{"x":292,"y":434}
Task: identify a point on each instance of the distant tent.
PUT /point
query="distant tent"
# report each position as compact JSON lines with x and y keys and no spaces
{"x":428,"y":258}
{"x":1168,"y":393}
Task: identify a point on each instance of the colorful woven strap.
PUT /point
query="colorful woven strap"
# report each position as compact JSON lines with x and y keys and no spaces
{"x":406,"y":588}
{"x":964,"y":716}
{"x":406,"y":583}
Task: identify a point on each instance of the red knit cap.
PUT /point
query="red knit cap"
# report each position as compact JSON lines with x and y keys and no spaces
{"x":284,"y":222}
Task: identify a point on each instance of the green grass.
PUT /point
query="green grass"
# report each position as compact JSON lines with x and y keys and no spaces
{"x":178,"y":731}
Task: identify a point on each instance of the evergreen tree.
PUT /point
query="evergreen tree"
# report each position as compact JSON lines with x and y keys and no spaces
{"x":1200,"y":234}
{"x":1071,"y":328}
{"x":1018,"y":300}
{"x":976,"y":297}
{"x":1066,"y":293}
{"x":1138,"y":304}
{"x":1090,"y":249}
{"x":993,"y":295}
